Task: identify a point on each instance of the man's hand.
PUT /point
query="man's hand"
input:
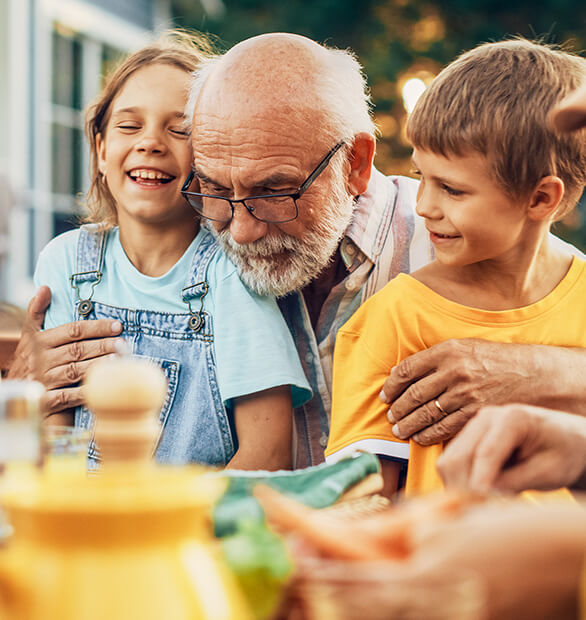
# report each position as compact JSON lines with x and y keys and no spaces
{"x":528,"y":560}
{"x":59,"y":357}
{"x":463,"y":375}
{"x":22,"y":365}
{"x":514,"y":448}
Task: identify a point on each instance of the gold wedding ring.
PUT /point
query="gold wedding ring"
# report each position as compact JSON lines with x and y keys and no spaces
{"x":440,"y":408}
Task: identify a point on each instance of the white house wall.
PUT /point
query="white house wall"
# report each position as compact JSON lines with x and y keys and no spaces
{"x":26,"y":110}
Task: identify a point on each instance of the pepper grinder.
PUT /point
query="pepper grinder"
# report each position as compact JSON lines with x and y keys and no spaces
{"x":126,"y":395}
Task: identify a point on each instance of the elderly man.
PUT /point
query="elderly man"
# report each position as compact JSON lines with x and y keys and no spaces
{"x":283,"y":151}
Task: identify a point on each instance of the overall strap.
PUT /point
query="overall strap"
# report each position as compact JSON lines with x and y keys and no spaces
{"x":196,"y":286}
{"x":89,"y":260}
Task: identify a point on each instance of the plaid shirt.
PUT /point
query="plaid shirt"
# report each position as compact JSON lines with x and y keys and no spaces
{"x":385,"y":237}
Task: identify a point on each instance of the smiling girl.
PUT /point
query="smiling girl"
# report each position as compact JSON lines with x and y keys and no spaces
{"x":143,"y":260}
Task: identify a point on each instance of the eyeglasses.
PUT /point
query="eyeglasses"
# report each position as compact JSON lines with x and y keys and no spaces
{"x":271,"y":208}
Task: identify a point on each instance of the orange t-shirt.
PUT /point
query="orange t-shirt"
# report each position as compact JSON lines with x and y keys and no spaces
{"x":406,"y":317}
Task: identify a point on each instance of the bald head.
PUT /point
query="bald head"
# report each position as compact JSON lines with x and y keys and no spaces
{"x":280,"y":76}
{"x":272,"y":69}
{"x":282,"y":119}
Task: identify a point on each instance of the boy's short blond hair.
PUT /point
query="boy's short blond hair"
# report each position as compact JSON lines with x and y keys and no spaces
{"x":494,"y":99}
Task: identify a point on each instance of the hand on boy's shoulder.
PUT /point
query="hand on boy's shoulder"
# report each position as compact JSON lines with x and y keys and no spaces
{"x":433,"y":393}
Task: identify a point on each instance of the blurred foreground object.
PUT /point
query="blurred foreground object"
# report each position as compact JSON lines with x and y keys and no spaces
{"x":131,"y":542}
{"x":126,"y":395}
{"x":319,"y":486}
{"x":20,"y":431}
{"x":11,"y":320}
{"x":358,"y":569}
{"x":446,"y":559}
{"x":259,"y":557}
{"x":570,"y":114}
{"x":20,"y":422}
{"x":65,"y":449}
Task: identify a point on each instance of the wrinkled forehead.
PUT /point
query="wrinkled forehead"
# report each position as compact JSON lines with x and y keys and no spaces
{"x":262,"y":107}
{"x":250,"y":136}
{"x":231,"y":121}
{"x":267,"y":82}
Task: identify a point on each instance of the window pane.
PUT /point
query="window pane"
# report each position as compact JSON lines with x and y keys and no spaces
{"x":111,"y":56}
{"x":139,"y":12}
{"x":67,"y":144}
{"x":67,"y":74}
{"x":62,"y":222}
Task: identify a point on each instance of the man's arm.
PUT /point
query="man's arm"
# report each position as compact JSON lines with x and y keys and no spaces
{"x":59,"y":357}
{"x":463,"y":375}
{"x":517,"y":447}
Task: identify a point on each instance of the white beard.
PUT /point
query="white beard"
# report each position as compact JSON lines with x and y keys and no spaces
{"x":278,"y":265}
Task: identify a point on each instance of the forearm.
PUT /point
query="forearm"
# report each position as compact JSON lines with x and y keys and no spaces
{"x":555,"y":377}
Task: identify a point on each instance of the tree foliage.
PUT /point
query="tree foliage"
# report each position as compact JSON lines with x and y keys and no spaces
{"x":395,"y":39}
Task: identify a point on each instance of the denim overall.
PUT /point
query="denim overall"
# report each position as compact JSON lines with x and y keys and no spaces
{"x":194,"y":425}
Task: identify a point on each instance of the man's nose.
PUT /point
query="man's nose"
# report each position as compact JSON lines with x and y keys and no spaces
{"x":244,"y":228}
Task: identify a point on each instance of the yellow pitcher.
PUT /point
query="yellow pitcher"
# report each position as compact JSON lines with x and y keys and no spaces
{"x":132,"y":542}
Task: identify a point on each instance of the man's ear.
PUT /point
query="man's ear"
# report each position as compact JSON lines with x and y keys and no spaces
{"x":101,"y":153}
{"x":361,"y":158}
{"x":545,"y":198}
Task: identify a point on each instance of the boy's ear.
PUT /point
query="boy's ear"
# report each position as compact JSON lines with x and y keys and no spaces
{"x":101,"y":153}
{"x":546,"y":198}
{"x":361,"y":158}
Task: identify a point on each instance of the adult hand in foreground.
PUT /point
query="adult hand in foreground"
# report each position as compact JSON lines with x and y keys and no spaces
{"x":500,"y":560}
{"x":529,"y":559}
{"x":433,"y":393}
{"x":517,"y":447}
{"x":60,"y":356}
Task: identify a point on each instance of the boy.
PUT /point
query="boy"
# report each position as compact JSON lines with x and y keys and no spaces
{"x":494,"y":177}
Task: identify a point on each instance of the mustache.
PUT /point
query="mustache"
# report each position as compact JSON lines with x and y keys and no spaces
{"x":261,"y":248}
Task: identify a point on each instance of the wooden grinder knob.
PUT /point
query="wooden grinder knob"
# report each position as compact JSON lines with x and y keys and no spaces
{"x":126,"y":395}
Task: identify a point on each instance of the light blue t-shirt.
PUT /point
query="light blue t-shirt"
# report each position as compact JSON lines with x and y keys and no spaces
{"x":254,"y":348}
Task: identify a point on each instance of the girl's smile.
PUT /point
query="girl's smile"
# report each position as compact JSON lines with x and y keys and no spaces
{"x":145,"y":151}
{"x":150,"y":177}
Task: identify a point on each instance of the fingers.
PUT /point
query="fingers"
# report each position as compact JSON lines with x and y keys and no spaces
{"x":59,"y":400}
{"x":80,"y":330}
{"x":68,"y":364}
{"x":66,"y":375}
{"x":449,"y":369}
{"x":35,"y":313}
{"x":458,"y":465}
{"x":40,"y":302}
{"x":406,"y":372}
{"x":420,"y":395}
{"x":430,"y":423}
{"x":445,"y":429}
{"x":477,"y":456}
{"x":455,"y":463}
{"x":496,"y":448}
